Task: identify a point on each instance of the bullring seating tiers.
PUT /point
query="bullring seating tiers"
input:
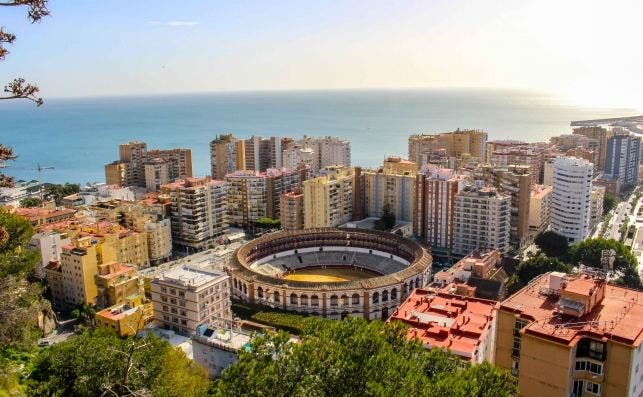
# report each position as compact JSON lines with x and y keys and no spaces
{"x":378,"y":264}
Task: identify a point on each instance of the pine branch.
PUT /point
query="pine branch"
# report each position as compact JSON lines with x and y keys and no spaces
{"x":20,"y":89}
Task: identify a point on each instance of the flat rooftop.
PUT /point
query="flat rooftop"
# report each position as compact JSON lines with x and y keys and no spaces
{"x":187,"y":276}
{"x":446,"y":321}
{"x":618,"y":316}
{"x":226,"y":338}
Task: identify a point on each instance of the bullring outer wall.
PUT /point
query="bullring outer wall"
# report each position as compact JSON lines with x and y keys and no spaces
{"x":370,"y":298}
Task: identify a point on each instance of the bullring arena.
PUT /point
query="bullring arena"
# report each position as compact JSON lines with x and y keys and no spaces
{"x":330,"y":272}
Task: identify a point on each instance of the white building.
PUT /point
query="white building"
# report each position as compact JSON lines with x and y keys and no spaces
{"x":482,"y":220}
{"x":217,"y":349}
{"x":184,"y":298}
{"x":20,"y":190}
{"x":50,"y":245}
{"x":571,"y":196}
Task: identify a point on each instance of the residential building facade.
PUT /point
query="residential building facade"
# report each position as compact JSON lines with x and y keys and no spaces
{"x":184,"y":298}
{"x":198,"y":212}
{"x":622,"y":157}
{"x":565,"y":335}
{"x":292,"y":210}
{"x":571,"y":196}
{"x":329,"y":199}
{"x":394,"y":185}
{"x":482,"y":220}
{"x":434,"y":215}
{"x":227,"y":154}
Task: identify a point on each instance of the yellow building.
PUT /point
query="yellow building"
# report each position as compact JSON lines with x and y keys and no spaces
{"x":130,"y":246}
{"x":79,"y":264}
{"x":392,"y":184}
{"x":227,"y":154}
{"x":126,"y":319}
{"x":576,"y":336}
{"x":459,"y":143}
{"x":539,"y":205}
{"x":115,"y":283}
{"x":328,"y":199}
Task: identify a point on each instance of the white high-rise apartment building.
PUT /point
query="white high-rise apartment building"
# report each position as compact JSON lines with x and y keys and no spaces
{"x":571,"y":197}
{"x":334,"y":151}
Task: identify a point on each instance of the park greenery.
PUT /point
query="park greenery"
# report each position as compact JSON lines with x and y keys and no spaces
{"x":268,"y":223}
{"x":280,"y":319}
{"x":609,"y":203}
{"x":354,"y":357}
{"x":57,"y":191}
{"x":552,"y":244}
{"x":30,"y":202}
{"x":556,"y":255}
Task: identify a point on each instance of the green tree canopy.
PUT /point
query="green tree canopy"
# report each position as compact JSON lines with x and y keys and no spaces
{"x":30,"y":202}
{"x":534,"y":266}
{"x":387,"y":219}
{"x":609,"y":203}
{"x":100,"y":363}
{"x":268,"y":223}
{"x":356,"y":358}
{"x":589,"y":252}
{"x":552,"y":244}
{"x":57,"y":191}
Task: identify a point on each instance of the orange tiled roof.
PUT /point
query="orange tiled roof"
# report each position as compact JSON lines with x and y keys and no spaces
{"x":618,"y":316}
{"x":446,"y":321}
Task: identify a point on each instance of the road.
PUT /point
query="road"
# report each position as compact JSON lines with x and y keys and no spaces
{"x":64,"y":331}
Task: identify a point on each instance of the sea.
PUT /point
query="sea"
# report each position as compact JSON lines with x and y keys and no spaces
{"x":71,"y":139}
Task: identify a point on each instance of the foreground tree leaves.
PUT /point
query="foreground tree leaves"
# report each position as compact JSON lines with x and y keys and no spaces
{"x":356,"y":358}
{"x":99,"y":363}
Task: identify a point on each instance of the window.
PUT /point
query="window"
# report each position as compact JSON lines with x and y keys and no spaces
{"x":314,"y":300}
{"x":333,"y":301}
{"x":376,"y":297}
{"x":585,"y":365}
{"x":355,"y":299}
{"x":593,"y":388}
{"x":518,"y":325}
{"x":293,"y":299}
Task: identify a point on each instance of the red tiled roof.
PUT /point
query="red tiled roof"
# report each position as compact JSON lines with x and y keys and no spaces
{"x":618,"y":316}
{"x":446,"y":321}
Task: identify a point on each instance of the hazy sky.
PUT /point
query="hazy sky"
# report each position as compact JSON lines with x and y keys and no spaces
{"x":589,"y":51}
